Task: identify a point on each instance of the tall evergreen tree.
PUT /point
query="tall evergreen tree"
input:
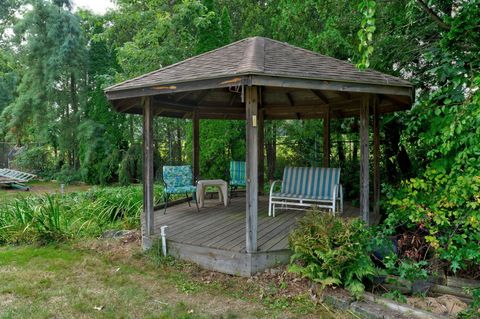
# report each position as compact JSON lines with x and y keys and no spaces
{"x":53,"y":57}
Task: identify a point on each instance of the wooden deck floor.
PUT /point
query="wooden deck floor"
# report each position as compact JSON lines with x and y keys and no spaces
{"x":216,"y":226}
{"x":215,"y":236}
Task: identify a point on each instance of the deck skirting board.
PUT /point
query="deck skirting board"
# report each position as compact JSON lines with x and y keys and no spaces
{"x":229,"y":262}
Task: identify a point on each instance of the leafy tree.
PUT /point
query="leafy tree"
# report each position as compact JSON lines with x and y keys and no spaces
{"x":311,"y":25}
{"x":51,"y":46}
{"x":103,"y":132}
{"x":8,"y":78}
{"x":443,"y":199}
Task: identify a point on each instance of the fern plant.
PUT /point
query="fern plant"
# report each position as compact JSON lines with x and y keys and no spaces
{"x":332,"y":251}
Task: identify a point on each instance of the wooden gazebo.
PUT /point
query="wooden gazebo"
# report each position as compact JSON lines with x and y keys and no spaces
{"x":257,"y":79}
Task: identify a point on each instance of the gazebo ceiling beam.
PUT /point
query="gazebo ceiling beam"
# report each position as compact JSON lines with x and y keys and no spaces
{"x":203,"y":94}
{"x":232,"y":98}
{"x":345,"y":95}
{"x":127,"y":104}
{"x":209,"y":110}
{"x":179,"y":97}
{"x":161,"y":103}
{"x":312,"y":108}
{"x":222,"y":116}
{"x":320,"y":96}
{"x":394,"y":99}
{"x":166,"y":106}
{"x":289,"y":99}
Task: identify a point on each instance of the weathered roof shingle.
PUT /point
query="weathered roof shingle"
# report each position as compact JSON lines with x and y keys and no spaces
{"x":260,"y":56}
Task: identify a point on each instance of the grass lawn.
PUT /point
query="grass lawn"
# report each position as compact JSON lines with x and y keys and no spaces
{"x":114,"y":279}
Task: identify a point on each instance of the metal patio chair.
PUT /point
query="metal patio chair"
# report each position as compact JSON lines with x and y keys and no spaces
{"x":237,"y":176}
{"x":178,"y":180}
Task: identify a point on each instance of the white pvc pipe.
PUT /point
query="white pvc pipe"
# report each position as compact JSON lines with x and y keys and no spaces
{"x":164,"y":239}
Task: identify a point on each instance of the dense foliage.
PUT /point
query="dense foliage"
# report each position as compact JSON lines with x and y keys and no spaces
{"x":55,"y":63}
{"x":47,"y":218}
{"x":332,"y":251}
{"x":443,"y":200}
{"x":51,"y":85}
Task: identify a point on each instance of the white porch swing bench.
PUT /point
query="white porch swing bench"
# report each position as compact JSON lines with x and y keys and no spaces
{"x":307,"y":187}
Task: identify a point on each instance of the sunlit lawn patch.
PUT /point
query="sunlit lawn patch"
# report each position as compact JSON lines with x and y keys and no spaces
{"x":103,"y":280}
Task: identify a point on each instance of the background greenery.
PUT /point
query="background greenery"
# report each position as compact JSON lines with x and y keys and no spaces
{"x":56,"y":218}
{"x":55,"y":63}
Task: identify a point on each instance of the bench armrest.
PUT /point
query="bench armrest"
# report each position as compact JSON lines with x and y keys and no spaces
{"x":272,"y":187}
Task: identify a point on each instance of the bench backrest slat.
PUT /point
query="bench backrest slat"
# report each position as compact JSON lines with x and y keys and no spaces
{"x":311,"y":181}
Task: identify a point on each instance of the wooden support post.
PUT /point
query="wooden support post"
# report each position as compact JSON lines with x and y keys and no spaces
{"x":326,"y":140}
{"x":261,"y":151}
{"x":148,"y":222}
{"x":196,"y":145}
{"x":251,"y":105}
{"x":364,"y":165}
{"x":376,"y":162}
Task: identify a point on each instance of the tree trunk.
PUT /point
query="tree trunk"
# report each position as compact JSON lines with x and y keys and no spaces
{"x":178,"y":145}
{"x":393,"y":149}
{"x":355,"y":152}
{"x":341,"y":152}
{"x":74,"y":103}
{"x":132,"y":126}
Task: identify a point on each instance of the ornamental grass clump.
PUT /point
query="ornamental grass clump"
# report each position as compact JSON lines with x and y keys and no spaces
{"x":36,"y":219}
{"x":332,"y":251}
{"x":55,"y":218}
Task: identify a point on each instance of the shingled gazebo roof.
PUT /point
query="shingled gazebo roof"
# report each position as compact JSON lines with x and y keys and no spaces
{"x":295,"y":83}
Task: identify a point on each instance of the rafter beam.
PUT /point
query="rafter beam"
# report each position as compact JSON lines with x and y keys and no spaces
{"x":394,"y":99}
{"x":320,"y":96}
{"x":232,"y":98}
{"x":181,"y":96}
{"x":312,"y":108}
{"x":202,"y":96}
{"x":164,"y":104}
{"x":290,"y":99}
{"x":345,"y":95}
{"x":127,"y":104}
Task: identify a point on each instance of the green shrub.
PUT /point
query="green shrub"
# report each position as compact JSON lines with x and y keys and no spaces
{"x":444,"y":201}
{"x":130,"y":168}
{"x":332,"y":251}
{"x":34,"y":159}
{"x":473,"y":310}
{"x":54,"y":218}
{"x":68,"y":175}
{"x":446,"y":207}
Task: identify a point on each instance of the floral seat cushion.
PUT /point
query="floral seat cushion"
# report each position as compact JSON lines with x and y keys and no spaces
{"x":181,"y":189}
{"x":178,"y":179}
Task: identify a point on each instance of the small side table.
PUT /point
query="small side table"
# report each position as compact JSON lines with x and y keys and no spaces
{"x":219,"y":183}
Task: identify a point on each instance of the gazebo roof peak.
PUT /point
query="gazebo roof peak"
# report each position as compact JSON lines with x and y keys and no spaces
{"x":259,"y":56}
